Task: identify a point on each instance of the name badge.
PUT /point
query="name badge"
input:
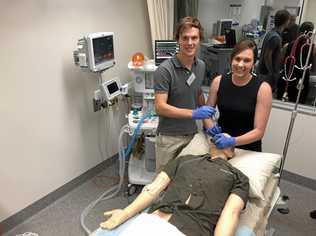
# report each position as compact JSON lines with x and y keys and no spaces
{"x":191,"y":79}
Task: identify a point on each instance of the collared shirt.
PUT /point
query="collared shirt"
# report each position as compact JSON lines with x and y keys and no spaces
{"x":207,"y":183}
{"x":172,"y":77}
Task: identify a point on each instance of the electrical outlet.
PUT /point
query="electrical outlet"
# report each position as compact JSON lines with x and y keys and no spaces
{"x":98,"y":95}
{"x":97,"y":100}
{"x":97,"y":105}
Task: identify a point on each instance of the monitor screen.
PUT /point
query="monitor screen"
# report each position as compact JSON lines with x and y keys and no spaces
{"x":112,"y":87}
{"x":103,"y":49}
{"x":224,"y":24}
{"x":100,"y":48}
{"x":230,"y":38}
{"x":165,"y":49}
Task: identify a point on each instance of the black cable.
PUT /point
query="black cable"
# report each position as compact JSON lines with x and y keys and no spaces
{"x":313,"y":214}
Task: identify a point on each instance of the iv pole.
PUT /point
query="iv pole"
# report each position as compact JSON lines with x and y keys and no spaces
{"x":294,"y":112}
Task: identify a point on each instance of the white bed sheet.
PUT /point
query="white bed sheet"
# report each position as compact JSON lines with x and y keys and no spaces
{"x":254,"y":219}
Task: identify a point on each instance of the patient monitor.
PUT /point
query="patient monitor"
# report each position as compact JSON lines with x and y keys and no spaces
{"x":111,"y":88}
{"x":95,"y":52}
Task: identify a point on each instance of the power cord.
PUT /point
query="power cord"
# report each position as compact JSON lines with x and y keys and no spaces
{"x":313,"y":214}
{"x":123,"y":154}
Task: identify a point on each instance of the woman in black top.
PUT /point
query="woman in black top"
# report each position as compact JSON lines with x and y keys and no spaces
{"x":244,"y":102}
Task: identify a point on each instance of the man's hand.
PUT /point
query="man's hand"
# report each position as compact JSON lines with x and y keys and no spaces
{"x":117,"y":217}
{"x":224,"y":141}
{"x":203,"y":112}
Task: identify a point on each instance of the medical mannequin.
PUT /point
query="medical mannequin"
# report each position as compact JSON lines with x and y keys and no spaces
{"x":226,"y":218}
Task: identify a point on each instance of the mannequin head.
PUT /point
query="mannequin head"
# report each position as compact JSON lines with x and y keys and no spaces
{"x":226,"y":153}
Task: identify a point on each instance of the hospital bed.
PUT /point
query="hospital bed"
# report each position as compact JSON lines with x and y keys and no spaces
{"x":264,"y":190}
{"x":254,"y":220}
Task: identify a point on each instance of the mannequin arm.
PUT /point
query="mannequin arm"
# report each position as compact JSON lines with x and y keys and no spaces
{"x":212,"y":99}
{"x":143,"y":200}
{"x":227,"y":223}
{"x":201,"y":98}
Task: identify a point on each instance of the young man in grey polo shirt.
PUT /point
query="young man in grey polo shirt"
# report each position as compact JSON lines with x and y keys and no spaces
{"x":178,"y":96}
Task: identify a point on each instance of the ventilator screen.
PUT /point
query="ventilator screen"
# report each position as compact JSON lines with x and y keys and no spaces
{"x":113,"y":87}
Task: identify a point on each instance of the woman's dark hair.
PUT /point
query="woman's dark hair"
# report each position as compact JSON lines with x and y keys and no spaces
{"x":243,"y":45}
{"x":306,"y":27}
{"x":188,"y":22}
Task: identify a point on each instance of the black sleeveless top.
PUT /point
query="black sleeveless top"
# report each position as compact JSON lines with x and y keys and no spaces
{"x":237,"y":106}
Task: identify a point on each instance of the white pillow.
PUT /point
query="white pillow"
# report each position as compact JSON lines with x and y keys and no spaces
{"x":199,"y":145}
{"x":257,"y":166}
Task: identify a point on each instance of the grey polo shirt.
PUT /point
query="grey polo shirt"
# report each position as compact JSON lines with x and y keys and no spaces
{"x":172,"y":77}
{"x":208,"y":183}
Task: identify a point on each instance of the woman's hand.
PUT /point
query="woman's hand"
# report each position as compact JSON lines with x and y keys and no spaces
{"x":224,"y":141}
{"x":117,"y":217}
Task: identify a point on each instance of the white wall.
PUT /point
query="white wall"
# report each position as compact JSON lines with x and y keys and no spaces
{"x":301,"y":152}
{"x":280,"y":4}
{"x":251,"y":10}
{"x":310,"y":11}
{"x":209,"y":12}
{"x":49,"y":132}
{"x":212,"y":10}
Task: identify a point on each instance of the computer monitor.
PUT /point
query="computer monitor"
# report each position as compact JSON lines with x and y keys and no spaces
{"x":165,"y":49}
{"x":100,"y":51}
{"x":222,"y":25}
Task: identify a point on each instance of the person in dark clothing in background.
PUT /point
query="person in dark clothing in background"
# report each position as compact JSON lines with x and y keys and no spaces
{"x":270,"y":56}
{"x":291,"y":32}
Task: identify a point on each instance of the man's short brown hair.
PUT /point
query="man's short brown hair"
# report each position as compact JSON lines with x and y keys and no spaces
{"x":188,"y":22}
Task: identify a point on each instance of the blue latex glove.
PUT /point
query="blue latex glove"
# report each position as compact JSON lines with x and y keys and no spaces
{"x":203,"y":112}
{"x":212,"y":131}
{"x":222,"y":141}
